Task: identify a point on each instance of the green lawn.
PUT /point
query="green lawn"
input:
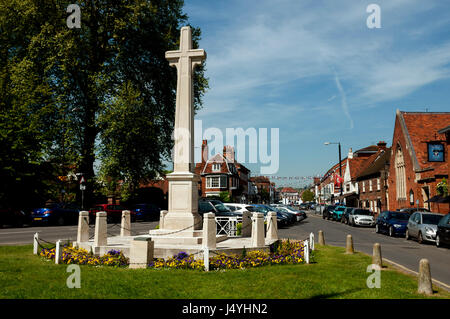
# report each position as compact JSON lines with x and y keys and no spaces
{"x":334,"y":275}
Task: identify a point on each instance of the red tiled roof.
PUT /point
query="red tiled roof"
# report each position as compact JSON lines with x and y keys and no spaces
{"x":288,"y":190}
{"x":422,"y":128}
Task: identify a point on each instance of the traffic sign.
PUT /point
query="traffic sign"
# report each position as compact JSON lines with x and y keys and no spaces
{"x":82,"y":181}
{"x":82,"y":187}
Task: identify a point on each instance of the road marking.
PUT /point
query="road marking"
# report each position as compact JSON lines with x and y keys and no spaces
{"x":18,"y":233}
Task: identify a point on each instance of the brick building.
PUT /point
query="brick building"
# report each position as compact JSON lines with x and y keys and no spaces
{"x":263,"y":185}
{"x":419,"y":160}
{"x":373,"y":180}
{"x":222,"y":173}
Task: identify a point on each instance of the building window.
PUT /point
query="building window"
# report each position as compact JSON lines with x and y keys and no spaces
{"x":364,"y":187}
{"x":370,"y":186}
{"x":411,"y":197}
{"x":216,"y":181}
{"x":347,"y":188}
{"x":378,"y":184}
{"x":400,"y":176}
{"x":216,"y":167}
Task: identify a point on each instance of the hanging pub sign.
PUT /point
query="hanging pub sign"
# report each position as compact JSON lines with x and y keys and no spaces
{"x":435,"y":152}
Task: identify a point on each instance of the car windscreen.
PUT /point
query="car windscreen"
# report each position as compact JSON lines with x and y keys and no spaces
{"x":362,"y":212}
{"x":221,"y":207}
{"x":399,"y":216}
{"x":250,"y":208}
{"x":340,"y":209}
{"x":431,"y":219}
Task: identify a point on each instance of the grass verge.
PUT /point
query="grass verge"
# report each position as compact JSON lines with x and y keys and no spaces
{"x":334,"y":275}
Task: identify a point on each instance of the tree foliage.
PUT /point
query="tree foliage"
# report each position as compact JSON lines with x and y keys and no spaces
{"x":103,"y":94}
{"x":307,"y":196}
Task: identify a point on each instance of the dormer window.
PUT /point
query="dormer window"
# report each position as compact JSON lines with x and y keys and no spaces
{"x":216,"y":167}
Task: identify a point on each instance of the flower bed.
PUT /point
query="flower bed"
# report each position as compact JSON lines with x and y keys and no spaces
{"x":287,"y":252}
{"x":71,"y":255}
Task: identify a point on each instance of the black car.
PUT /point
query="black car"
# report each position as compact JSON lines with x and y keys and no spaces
{"x":328,"y":211}
{"x":443,"y":231}
{"x":214,"y":206}
{"x":13,"y":217}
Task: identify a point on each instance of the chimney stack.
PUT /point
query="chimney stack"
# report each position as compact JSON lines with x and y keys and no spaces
{"x":350,"y":153}
{"x":204,"y":151}
{"x":228,"y":153}
{"x":381,"y":145}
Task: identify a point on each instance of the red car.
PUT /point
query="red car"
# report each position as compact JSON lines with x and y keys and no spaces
{"x":113,"y":212}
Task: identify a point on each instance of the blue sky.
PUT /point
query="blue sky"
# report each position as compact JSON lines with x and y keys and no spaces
{"x":315,"y":70}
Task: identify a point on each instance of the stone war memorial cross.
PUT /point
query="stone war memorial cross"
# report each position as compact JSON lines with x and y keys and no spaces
{"x":183,"y":182}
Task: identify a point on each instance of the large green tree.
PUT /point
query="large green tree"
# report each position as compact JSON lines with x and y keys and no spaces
{"x":103,"y":93}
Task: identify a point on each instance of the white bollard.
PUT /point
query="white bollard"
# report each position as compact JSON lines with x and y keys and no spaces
{"x":272,"y":229}
{"x":206,"y":258}
{"x":83,"y":227}
{"x":306,"y":251}
{"x":209,"y":230}
{"x":101,"y":236}
{"x":58,"y":252}
{"x":311,"y":241}
{"x":35,"y":243}
{"x":246,"y":230}
{"x":141,"y":252}
{"x":258,"y":230}
{"x":162,"y":216}
{"x":125,"y":226}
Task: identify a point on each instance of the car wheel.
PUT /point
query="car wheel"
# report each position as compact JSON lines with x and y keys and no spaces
{"x":391,"y":231}
{"x":407,"y":235}
{"x":438,"y":241}
{"x":420,"y":238}
{"x":61,"y":221}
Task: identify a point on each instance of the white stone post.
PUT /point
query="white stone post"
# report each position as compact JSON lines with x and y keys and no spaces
{"x":35,"y":243}
{"x":141,"y":252}
{"x":246,"y":230}
{"x":306,"y":250}
{"x":83,"y":227}
{"x":125,"y":226}
{"x":272,"y":229}
{"x":209,"y":230}
{"x":258,"y":230}
{"x":101,"y":237}
{"x":206,"y":258}
{"x":58,"y":251}
{"x":311,"y":241}
{"x":162,"y":215}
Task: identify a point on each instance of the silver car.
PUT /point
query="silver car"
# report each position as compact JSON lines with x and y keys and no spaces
{"x":423,"y":226}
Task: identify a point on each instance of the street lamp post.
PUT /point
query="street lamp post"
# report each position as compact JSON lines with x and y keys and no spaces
{"x":340,"y":166}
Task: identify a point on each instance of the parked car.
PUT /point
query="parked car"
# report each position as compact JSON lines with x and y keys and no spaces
{"x":347,"y":211}
{"x":291,"y":218}
{"x":56,"y":213}
{"x":238,"y":208}
{"x":214,"y":206}
{"x":113,"y":212}
{"x":281,"y":219}
{"x":300,"y":215}
{"x":392,"y":223}
{"x":327,"y":211}
{"x":13,"y":217}
{"x":443,"y":231}
{"x":146,"y":212}
{"x":336,"y":213}
{"x":361,"y":217}
{"x":411,"y":210}
{"x":423,"y":226}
